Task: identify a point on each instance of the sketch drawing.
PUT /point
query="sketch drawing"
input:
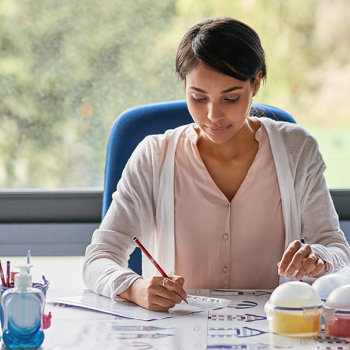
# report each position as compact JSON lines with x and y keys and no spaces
{"x":137,"y":328}
{"x":257,"y":346}
{"x":229,"y":292}
{"x":243,"y":305}
{"x":140,"y":335}
{"x":245,"y":318}
{"x":142,"y":346}
{"x":239,"y":332}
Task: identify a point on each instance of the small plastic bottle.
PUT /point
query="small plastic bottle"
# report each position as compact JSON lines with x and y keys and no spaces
{"x":23,"y":308}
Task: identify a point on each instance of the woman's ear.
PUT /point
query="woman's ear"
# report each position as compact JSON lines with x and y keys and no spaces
{"x":257,"y":81}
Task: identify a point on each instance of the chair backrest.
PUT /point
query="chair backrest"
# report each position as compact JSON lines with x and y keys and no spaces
{"x":132,"y":126}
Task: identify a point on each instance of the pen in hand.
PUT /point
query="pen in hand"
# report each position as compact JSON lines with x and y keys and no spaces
{"x":149,"y":256}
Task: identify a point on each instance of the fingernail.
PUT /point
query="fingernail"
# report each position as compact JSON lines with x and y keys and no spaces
{"x":288,"y":274}
{"x":184,"y":296}
{"x":281,"y":271}
{"x":298,"y":276}
{"x":310,"y":274}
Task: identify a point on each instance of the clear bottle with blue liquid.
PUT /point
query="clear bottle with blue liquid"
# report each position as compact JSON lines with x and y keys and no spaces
{"x":23,"y":308}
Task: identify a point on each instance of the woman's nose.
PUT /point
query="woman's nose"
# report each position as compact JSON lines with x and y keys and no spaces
{"x":215,"y":113}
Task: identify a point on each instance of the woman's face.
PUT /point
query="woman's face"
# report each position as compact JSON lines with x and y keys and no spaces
{"x":218,"y":103}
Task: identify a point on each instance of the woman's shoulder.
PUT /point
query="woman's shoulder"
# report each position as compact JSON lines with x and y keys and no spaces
{"x":155,"y":146}
{"x":297,"y":143}
{"x":158,"y":142}
{"x":290,"y":133}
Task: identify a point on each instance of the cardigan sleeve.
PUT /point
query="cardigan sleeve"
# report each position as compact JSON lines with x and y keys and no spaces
{"x":319,"y":220}
{"x":131,"y":212}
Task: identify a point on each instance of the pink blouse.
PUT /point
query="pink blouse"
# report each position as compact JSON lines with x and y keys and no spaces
{"x":222,"y":244}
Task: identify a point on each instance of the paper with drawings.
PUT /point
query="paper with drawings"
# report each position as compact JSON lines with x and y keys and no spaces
{"x":241,"y":325}
{"x":90,"y":300}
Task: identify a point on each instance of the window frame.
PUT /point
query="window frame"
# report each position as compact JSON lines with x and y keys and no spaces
{"x":61,"y":223}
{"x":85,"y":206}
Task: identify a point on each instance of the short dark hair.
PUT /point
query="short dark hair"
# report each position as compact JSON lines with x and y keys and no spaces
{"x":225,"y":45}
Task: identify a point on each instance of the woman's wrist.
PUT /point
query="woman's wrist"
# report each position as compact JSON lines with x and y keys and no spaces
{"x":128,"y":293}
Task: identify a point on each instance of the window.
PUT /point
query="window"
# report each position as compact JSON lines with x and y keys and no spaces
{"x":68,"y":68}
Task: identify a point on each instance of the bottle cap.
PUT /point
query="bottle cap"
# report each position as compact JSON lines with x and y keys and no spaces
{"x":325,"y":285}
{"x":23,"y":279}
{"x":339,"y":299}
{"x":295,"y":294}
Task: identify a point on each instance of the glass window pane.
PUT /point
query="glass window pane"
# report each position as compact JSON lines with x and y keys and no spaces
{"x":68,"y":68}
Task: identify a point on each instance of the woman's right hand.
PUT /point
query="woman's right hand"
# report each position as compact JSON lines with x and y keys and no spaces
{"x":150,"y":293}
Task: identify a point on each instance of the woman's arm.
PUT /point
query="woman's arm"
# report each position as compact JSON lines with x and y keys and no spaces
{"x":131,"y":214}
{"x":326,"y":248}
{"x":105,"y":268}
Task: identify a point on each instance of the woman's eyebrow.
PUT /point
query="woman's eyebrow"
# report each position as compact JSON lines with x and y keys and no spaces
{"x":231,"y":89}
{"x":197,"y":89}
{"x":222,"y":92}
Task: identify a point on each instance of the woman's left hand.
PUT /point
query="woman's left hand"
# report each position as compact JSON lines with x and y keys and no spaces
{"x":299,"y":256}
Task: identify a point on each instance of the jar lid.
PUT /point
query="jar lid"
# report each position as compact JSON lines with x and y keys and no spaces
{"x":295,"y":295}
{"x":339,"y":300}
{"x":325,"y":285}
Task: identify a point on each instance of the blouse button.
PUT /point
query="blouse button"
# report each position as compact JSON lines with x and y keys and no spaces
{"x":227,"y":204}
{"x":225,"y":269}
{"x":225,"y":236}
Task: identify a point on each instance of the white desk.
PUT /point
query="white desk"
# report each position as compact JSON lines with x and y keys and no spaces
{"x":230,"y":328}
{"x":240,"y":326}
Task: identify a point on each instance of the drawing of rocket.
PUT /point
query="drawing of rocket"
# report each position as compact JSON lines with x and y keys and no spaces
{"x":137,"y":328}
{"x":138,"y":336}
{"x":244,"y":332}
{"x":245,"y":318}
{"x":243,"y":305}
{"x":255,"y":346}
{"x":249,"y":332}
{"x":229,"y":292}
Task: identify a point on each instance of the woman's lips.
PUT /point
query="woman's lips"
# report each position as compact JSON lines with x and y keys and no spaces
{"x":217,"y":131}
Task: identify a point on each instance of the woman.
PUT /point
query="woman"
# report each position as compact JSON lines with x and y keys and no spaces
{"x":221,"y":202}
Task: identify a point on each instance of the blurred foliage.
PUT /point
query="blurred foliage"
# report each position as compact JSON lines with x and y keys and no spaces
{"x":68,"y":68}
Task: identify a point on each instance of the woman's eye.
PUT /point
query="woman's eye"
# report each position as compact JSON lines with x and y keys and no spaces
{"x":232,"y":99}
{"x":199,"y":99}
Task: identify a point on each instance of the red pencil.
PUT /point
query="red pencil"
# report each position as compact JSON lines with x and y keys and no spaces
{"x":8,"y":274}
{"x":149,"y":256}
{"x":2,"y":276}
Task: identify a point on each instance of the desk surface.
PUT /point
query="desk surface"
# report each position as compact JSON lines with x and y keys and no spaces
{"x":242,"y":325}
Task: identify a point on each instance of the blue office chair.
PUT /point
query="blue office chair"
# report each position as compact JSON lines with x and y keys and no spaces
{"x":135,"y":124}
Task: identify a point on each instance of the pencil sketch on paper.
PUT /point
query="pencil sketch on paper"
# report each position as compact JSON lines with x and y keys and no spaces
{"x":138,"y":328}
{"x":141,"y":335}
{"x":252,"y":346}
{"x":244,"y":318}
{"x":325,"y":342}
{"x":230,"y":292}
{"x":247,"y":304}
{"x":142,"y":346}
{"x":238,"y":332}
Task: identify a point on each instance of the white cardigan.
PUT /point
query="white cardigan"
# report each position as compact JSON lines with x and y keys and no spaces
{"x":143,"y":205}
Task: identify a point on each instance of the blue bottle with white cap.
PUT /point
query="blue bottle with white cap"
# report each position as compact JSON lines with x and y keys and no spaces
{"x":23,"y":308}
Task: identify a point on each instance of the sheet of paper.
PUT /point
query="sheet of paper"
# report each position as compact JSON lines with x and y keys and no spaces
{"x":90,"y":300}
{"x":241,"y":325}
